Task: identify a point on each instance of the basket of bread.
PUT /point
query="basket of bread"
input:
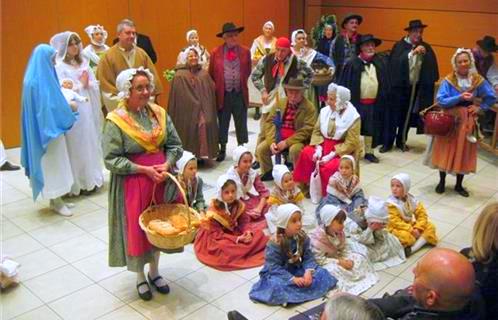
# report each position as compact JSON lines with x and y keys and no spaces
{"x":170,"y":226}
{"x":322,"y":74}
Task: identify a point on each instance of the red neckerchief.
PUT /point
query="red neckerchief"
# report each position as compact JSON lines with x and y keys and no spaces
{"x":279,"y":69}
{"x":231,"y":54}
{"x":352,"y":39}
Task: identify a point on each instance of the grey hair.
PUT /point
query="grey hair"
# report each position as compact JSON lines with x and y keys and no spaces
{"x":125,"y":23}
{"x":344,"y":306}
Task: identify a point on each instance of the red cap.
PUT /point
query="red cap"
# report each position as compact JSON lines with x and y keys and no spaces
{"x":283,"y":42}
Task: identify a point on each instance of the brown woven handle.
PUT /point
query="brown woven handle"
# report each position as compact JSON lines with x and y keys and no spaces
{"x":423,"y":112}
{"x":179,"y":186}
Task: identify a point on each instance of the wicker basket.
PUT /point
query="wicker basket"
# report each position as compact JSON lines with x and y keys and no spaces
{"x":163,"y":211}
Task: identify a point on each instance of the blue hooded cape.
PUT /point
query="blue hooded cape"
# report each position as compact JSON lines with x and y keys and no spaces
{"x":45,"y":113}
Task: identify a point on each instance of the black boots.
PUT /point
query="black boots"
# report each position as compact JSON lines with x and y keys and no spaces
{"x":442,"y":180}
{"x":440,"y":188}
{"x":222,"y":153}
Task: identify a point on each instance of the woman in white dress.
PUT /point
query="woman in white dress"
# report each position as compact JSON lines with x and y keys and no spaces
{"x":84,"y":138}
{"x":97,"y":47}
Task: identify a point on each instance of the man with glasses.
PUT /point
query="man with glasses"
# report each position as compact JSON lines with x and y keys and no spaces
{"x":123,"y":55}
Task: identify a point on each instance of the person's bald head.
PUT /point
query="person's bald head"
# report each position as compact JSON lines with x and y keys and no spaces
{"x":444,"y":280}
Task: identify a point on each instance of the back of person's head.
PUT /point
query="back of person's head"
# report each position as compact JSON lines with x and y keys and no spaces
{"x":344,"y":306}
{"x":444,"y":280}
{"x":485,"y":236}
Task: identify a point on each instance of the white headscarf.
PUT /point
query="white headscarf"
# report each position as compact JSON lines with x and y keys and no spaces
{"x":243,"y":190}
{"x":91,"y":29}
{"x":60,"y":42}
{"x":350,"y":157}
{"x":328,"y":213}
{"x":294,"y":35}
{"x":376,"y":210}
{"x":184,"y":54}
{"x":407,"y":207}
{"x":332,"y":88}
{"x":269,"y":23}
{"x":285,"y":212}
{"x":471,"y":56}
{"x":182,"y":162}
{"x":123,"y":81}
{"x":344,"y":119}
{"x":189,"y":33}
{"x":278,"y":173}
{"x":219,"y":185}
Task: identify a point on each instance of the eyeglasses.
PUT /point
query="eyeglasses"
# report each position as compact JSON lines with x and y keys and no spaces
{"x":141,"y":89}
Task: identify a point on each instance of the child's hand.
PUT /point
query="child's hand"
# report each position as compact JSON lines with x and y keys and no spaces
{"x":375,"y":226}
{"x":299,"y":281}
{"x":249,"y":236}
{"x":416,"y":233}
{"x":308,"y":278}
{"x":346,"y":264}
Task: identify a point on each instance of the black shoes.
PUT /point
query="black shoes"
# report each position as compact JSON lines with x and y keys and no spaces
{"x":235,"y":315}
{"x":7,"y":166}
{"x":402,"y":147}
{"x":371,"y":158}
{"x":440,"y":188}
{"x":267,"y":176}
{"x":255,"y":165}
{"x":163,"y":289}
{"x":257,"y":114}
{"x":221,"y":156}
{"x":385,"y":149}
{"x":461,"y":191}
{"x":147,"y":295}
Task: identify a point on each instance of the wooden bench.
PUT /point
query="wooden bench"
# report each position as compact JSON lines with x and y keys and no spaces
{"x":491,"y":147}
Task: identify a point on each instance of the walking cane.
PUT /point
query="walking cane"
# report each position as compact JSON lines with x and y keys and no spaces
{"x":277,"y":120}
{"x":410,"y":105}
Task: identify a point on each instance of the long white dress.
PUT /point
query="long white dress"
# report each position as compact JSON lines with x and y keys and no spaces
{"x":56,"y":167}
{"x":84,"y":138}
{"x":3,"y":154}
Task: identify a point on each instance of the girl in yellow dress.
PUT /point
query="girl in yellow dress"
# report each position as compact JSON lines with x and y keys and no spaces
{"x":408,"y":219}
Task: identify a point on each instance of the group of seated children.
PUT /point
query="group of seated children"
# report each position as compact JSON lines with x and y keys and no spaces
{"x":246,"y":226}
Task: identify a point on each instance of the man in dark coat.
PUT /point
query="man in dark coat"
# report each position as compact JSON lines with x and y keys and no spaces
{"x":368,"y":79}
{"x":345,"y":46}
{"x":412,"y":62}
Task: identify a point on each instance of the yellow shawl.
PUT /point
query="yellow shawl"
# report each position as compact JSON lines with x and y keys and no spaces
{"x":228,"y":221}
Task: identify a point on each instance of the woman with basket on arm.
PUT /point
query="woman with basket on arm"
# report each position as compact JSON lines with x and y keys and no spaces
{"x":463,"y":94}
{"x":140,"y":145}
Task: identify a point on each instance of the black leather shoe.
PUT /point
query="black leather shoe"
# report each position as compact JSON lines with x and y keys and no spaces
{"x":164,"y":289}
{"x":371,"y":158}
{"x":402,"y":147}
{"x":440,"y":188}
{"x":408,"y":252}
{"x":267,"y":176}
{"x":221,"y":156}
{"x":257,"y":114}
{"x":147,"y":295}
{"x":255,"y":165}
{"x":235,"y":315}
{"x":7,"y":166}
{"x":461,"y":191}
{"x":385,"y":149}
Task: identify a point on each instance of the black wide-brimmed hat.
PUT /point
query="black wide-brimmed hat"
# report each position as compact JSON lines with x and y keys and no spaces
{"x":488,"y":43}
{"x":229,"y":27}
{"x":415,"y":24}
{"x":295,"y":83}
{"x":352,"y":16}
{"x":364,"y":38}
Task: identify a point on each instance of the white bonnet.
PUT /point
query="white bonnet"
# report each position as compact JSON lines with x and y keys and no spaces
{"x":376,"y":210}
{"x":350,"y":157}
{"x":219,"y":185}
{"x":189,"y":33}
{"x":328,"y":213}
{"x":238,"y":152}
{"x":270,"y":24}
{"x":332,"y":88}
{"x":284,"y":213}
{"x":294,"y":35}
{"x":343,"y":96}
{"x":278,"y":173}
{"x":182,"y":162}
{"x":404,"y":179}
{"x":91,"y":29}
{"x":123,"y":81}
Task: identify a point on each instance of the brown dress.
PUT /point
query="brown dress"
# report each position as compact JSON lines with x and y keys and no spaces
{"x":192,"y":107}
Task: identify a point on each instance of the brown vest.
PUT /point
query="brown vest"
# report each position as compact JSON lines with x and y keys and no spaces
{"x":269,"y":62}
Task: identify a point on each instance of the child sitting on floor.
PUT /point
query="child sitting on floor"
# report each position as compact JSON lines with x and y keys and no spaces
{"x":334,"y":252}
{"x":344,"y":190}
{"x":384,"y":249}
{"x":190,"y":182}
{"x":408,"y":218}
{"x":226,"y":239}
{"x":250,"y":189}
{"x":290,"y":274}
{"x":285,"y":191}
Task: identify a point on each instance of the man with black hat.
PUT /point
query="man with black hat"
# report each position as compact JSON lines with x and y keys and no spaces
{"x":230,"y":67}
{"x":367,"y":77}
{"x":414,"y":72}
{"x":271,"y":73}
{"x":486,"y":66}
{"x":298,"y":120}
{"x":345,"y":46}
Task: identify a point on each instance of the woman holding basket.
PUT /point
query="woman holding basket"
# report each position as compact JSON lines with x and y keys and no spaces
{"x":463,"y":93}
{"x":140,"y":145}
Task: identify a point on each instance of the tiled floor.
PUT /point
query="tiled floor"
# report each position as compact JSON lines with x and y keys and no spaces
{"x":64,"y":272}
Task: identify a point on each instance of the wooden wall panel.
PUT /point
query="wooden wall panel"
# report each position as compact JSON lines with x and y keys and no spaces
{"x":26,"y":23}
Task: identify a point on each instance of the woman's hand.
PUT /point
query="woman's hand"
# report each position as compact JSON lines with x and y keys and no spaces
{"x":327,"y":158}
{"x":152,"y":173}
{"x":84,"y":79}
{"x":467,"y":96}
{"x":274,"y":148}
{"x":318,"y":153}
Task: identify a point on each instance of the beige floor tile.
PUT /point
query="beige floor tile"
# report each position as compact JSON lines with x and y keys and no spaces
{"x":233,"y":301}
{"x":284,"y":313}
{"x":122,"y":285}
{"x":96,"y":267}
{"x":38,"y":263}
{"x":89,"y":303}
{"x":210,"y":284}
{"x":101,"y":234}
{"x":92,"y":221}
{"x":206,"y":312}
{"x":57,"y":283}
{"x":459,"y":236}
{"x":36,"y":219}
{"x":248,"y":274}
{"x":78,"y":248}
{"x":41,"y":313}
{"x":178,"y":265}
{"x":19,"y":245}
{"x":56,"y":233}
{"x":17,"y":301}
{"x":442,"y":228}
{"x":22,"y":207}
{"x":175,"y":305}
{"x":384,"y":279}
{"x":12,"y":195}
{"x":123,"y":313}
{"x":9,"y":230}
{"x":448,"y":214}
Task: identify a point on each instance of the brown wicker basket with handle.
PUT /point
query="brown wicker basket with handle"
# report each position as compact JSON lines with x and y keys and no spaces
{"x":163,"y":212}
